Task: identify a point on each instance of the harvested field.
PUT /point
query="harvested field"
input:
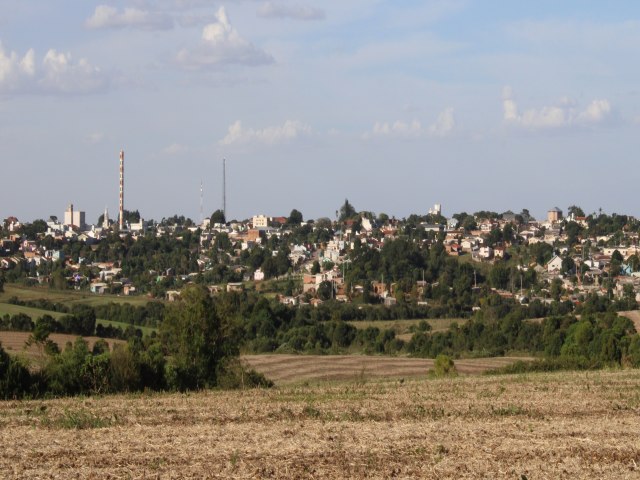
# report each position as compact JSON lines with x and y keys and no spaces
{"x":284,"y":369}
{"x":560,"y":426}
{"x":14,"y":342}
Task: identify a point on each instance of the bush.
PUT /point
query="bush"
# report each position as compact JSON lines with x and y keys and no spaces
{"x":548,"y":365}
{"x":15,"y":380}
{"x":444,"y":367}
{"x":232,"y":374}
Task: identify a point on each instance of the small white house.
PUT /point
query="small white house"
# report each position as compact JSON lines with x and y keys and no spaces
{"x":258,"y":275}
{"x":554,"y":264}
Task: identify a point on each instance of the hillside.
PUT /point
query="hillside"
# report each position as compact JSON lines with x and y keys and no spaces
{"x":566,"y":425}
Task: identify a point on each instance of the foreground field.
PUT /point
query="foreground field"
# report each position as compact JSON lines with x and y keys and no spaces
{"x":569,"y":425}
{"x":283,"y":369}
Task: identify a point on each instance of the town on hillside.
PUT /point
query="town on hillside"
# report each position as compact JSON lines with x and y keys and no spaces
{"x":358,"y":257}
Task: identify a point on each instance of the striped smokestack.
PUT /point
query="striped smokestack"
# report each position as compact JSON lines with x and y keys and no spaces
{"x":121,"y":189}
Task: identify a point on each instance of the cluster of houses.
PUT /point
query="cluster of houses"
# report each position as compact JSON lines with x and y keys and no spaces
{"x":332,"y":254}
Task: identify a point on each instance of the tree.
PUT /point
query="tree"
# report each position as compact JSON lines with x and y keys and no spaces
{"x":15,"y":379}
{"x":575,"y":211}
{"x":295,"y":217}
{"x":325,"y":290}
{"x":315,"y":268}
{"x":568,"y":266}
{"x":197,"y":339}
{"x":218,"y":217}
{"x":347,"y":211}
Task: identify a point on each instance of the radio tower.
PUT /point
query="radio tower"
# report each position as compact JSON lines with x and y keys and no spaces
{"x":224,"y":188}
{"x":201,"y":205}
{"x":121,"y":189}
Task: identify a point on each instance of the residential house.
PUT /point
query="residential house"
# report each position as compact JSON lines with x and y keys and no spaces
{"x":555,"y":264}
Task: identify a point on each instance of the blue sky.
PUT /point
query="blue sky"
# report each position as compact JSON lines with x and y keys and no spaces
{"x":395,"y":105}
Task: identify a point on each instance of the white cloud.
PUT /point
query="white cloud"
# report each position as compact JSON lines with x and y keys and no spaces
{"x":105,"y":16}
{"x":57,"y":73}
{"x":596,"y":111}
{"x":175,"y":149}
{"x":95,"y":137}
{"x":397,"y":128}
{"x":443,"y":126}
{"x":296,"y":12}
{"x":221,"y":44}
{"x":289,"y":130}
{"x":564,"y":114}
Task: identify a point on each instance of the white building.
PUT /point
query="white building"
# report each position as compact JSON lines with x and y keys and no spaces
{"x":436,"y":209}
{"x":74,"y":217}
{"x":260,"y":221}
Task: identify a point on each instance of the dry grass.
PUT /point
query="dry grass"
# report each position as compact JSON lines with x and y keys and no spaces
{"x":285,"y":369}
{"x":561,"y":426}
{"x":14,"y":343}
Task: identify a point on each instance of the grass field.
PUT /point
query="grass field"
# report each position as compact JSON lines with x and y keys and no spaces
{"x":35,"y":313}
{"x":68,"y":297}
{"x":560,"y":426}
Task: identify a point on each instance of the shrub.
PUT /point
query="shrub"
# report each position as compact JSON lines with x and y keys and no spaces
{"x":444,"y":367}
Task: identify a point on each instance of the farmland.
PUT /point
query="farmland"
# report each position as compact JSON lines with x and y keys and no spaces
{"x":35,"y":313}
{"x":286,"y":369}
{"x":68,"y":297}
{"x":563,"y":425}
{"x":14,"y":343}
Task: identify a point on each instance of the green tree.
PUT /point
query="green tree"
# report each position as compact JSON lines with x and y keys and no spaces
{"x":347,"y":211}
{"x":196,"y":339}
{"x":315,"y":268}
{"x":575,"y":210}
{"x":325,"y":290}
{"x":218,"y":217}
{"x":295,"y":217}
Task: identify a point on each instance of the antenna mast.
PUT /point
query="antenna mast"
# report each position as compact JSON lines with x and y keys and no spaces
{"x":224,"y":188}
{"x":121,"y":189}
{"x":201,"y":204}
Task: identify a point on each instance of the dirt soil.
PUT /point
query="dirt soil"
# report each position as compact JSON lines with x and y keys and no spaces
{"x":536,"y":426}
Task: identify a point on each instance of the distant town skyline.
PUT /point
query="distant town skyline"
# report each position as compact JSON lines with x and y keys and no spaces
{"x":396,"y":106}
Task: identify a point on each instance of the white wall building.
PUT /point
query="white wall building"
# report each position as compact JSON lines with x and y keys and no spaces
{"x":74,"y":217}
{"x":260,"y":221}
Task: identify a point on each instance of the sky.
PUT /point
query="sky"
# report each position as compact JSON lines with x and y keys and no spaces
{"x":394,"y":105}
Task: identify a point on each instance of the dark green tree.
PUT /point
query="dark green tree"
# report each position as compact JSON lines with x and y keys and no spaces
{"x":347,"y":211}
{"x":197,"y":340}
{"x":295,"y":217}
{"x":218,"y":217}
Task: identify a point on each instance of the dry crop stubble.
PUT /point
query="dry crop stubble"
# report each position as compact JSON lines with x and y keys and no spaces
{"x":563,"y":425}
